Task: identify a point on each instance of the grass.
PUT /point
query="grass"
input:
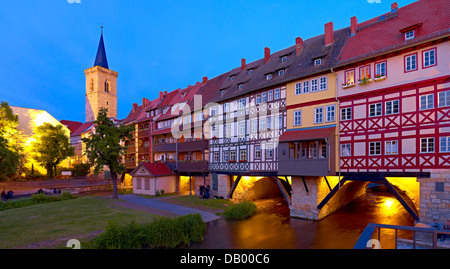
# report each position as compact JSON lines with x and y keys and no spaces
{"x":69,"y":218}
{"x":240,"y":211}
{"x":195,"y":201}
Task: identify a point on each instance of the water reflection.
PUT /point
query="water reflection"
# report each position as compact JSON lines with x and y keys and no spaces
{"x":272,"y":228}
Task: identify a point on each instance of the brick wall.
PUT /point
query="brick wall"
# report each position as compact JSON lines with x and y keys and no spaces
{"x":435,"y":197}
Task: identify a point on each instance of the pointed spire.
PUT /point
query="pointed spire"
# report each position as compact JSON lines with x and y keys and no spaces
{"x":100,"y":59}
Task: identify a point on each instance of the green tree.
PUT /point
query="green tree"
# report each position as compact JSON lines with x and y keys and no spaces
{"x":51,"y":146}
{"x":103,"y":147}
{"x":11,"y":150}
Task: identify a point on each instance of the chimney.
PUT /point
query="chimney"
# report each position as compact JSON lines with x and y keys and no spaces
{"x":329,"y":33}
{"x":135,"y":106}
{"x":394,"y":7}
{"x":144,"y":102}
{"x":242,"y":64}
{"x":205,"y":79}
{"x":298,"y":45}
{"x":353,"y":25}
{"x":161,"y":95}
{"x":266,"y":54}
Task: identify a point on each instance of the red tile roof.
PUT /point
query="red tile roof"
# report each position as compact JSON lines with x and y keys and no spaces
{"x":71,"y":125}
{"x":384,"y":32}
{"x":85,"y":126}
{"x":309,"y":134}
{"x":157,"y":169}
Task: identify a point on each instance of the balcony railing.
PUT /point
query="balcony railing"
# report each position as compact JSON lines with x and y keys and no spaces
{"x":193,"y":166}
{"x":303,"y":167}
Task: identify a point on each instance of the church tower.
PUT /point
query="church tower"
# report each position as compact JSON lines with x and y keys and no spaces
{"x":101,"y":86}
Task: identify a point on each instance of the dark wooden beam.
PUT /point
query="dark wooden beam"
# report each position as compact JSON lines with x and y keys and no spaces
{"x":283,"y":190}
{"x":326,"y":180}
{"x":330,"y":194}
{"x":304,"y":184}
{"x":401,"y":200}
{"x":235,"y":183}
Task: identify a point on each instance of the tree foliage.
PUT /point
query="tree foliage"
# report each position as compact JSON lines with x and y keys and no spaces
{"x":103,"y":147}
{"x":51,"y":146}
{"x":11,"y":150}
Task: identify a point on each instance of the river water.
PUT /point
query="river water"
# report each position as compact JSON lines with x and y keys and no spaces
{"x":272,"y":227}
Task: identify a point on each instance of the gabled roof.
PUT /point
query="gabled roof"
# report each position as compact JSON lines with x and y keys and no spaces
{"x":100,"y":58}
{"x":71,"y":125}
{"x":385,"y":33}
{"x":156,"y":169}
{"x":83,"y":128}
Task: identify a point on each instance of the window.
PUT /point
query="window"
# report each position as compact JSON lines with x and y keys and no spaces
{"x":279,"y":122}
{"x":444,"y":98}
{"x":284,"y":59}
{"x":257,"y":152}
{"x":233,"y":155}
{"x":269,"y":153}
{"x":375,"y":110}
{"x":258,"y":99}
{"x":318,"y":115}
{"x":429,"y":58}
{"x":226,"y":156}
{"x":277,"y":93}
{"x":317,"y":61}
{"x":242,"y":131}
{"x":250,"y":72}
{"x":269,"y":123}
{"x":298,"y":88}
{"x":262,"y":124}
{"x":268,"y":76}
{"x":214,"y":110}
{"x":314,"y":87}
{"x":323,"y":83}
{"x":306,"y":86}
{"x":346,"y":150}
{"x":409,"y":35}
{"x":270,"y":95}
{"x":380,"y":69}
{"x":298,"y":118}
{"x":226,"y":107}
{"x":254,"y":126}
{"x":107,"y":86}
{"x":242,"y":103}
{"x":243,"y":155}
{"x":227,"y":130}
{"x":427,"y":101}
{"x":312,"y":150}
{"x":264,"y":97}
{"x":411,"y":62}
{"x":392,"y":107}
{"x":364,"y":72}
{"x":374,"y":148}
{"x":232,"y":78}
{"x":445,"y":143}
{"x":323,"y":151}
{"x":216,"y":157}
{"x":281,"y":73}
{"x":391,"y":147}
{"x":346,"y":113}
{"x":427,"y":145}
{"x":330,"y":113}
{"x":349,"y":77}
{"x":241,"y":86}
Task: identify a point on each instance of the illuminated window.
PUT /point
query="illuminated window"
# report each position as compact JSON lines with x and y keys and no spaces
{"x":349,"y":77}
{"x":233,"y":155}
{"x":243,"y":155}
{"x":364,"y":72}
{"x":391,"y":147}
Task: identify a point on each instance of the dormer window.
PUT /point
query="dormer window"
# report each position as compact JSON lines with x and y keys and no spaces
{"x":250,"y":72}
{"x":283,"y":59}
{"x":281,"y":73}
{"x":232,"y":78}
{"x":409,"y":35}
{"x":317,"y":61}
{"x":183,"y":95}
{"x":241,"y":86}
{"x":222,"y":92}
{"x":268,"y":76}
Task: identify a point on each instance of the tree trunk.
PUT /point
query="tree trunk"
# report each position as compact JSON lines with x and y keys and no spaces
{"x":114,"y":181}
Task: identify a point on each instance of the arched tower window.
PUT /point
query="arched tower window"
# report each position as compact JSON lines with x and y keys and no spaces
{"x":107,"y":86}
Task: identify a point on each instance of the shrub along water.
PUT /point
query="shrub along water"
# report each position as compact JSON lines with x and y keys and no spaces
{"x":240,"y":211}
{"x":163,"y":232}
{"x":33,"y":200}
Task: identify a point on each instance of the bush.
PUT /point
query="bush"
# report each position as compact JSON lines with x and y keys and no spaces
{"x":239,"y":211}
{"x":81,"y":169}
{"x":163,"y":232}
{"x":33,"y":200}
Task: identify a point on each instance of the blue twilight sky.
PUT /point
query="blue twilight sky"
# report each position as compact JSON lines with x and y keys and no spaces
{"x":154,"y":45}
